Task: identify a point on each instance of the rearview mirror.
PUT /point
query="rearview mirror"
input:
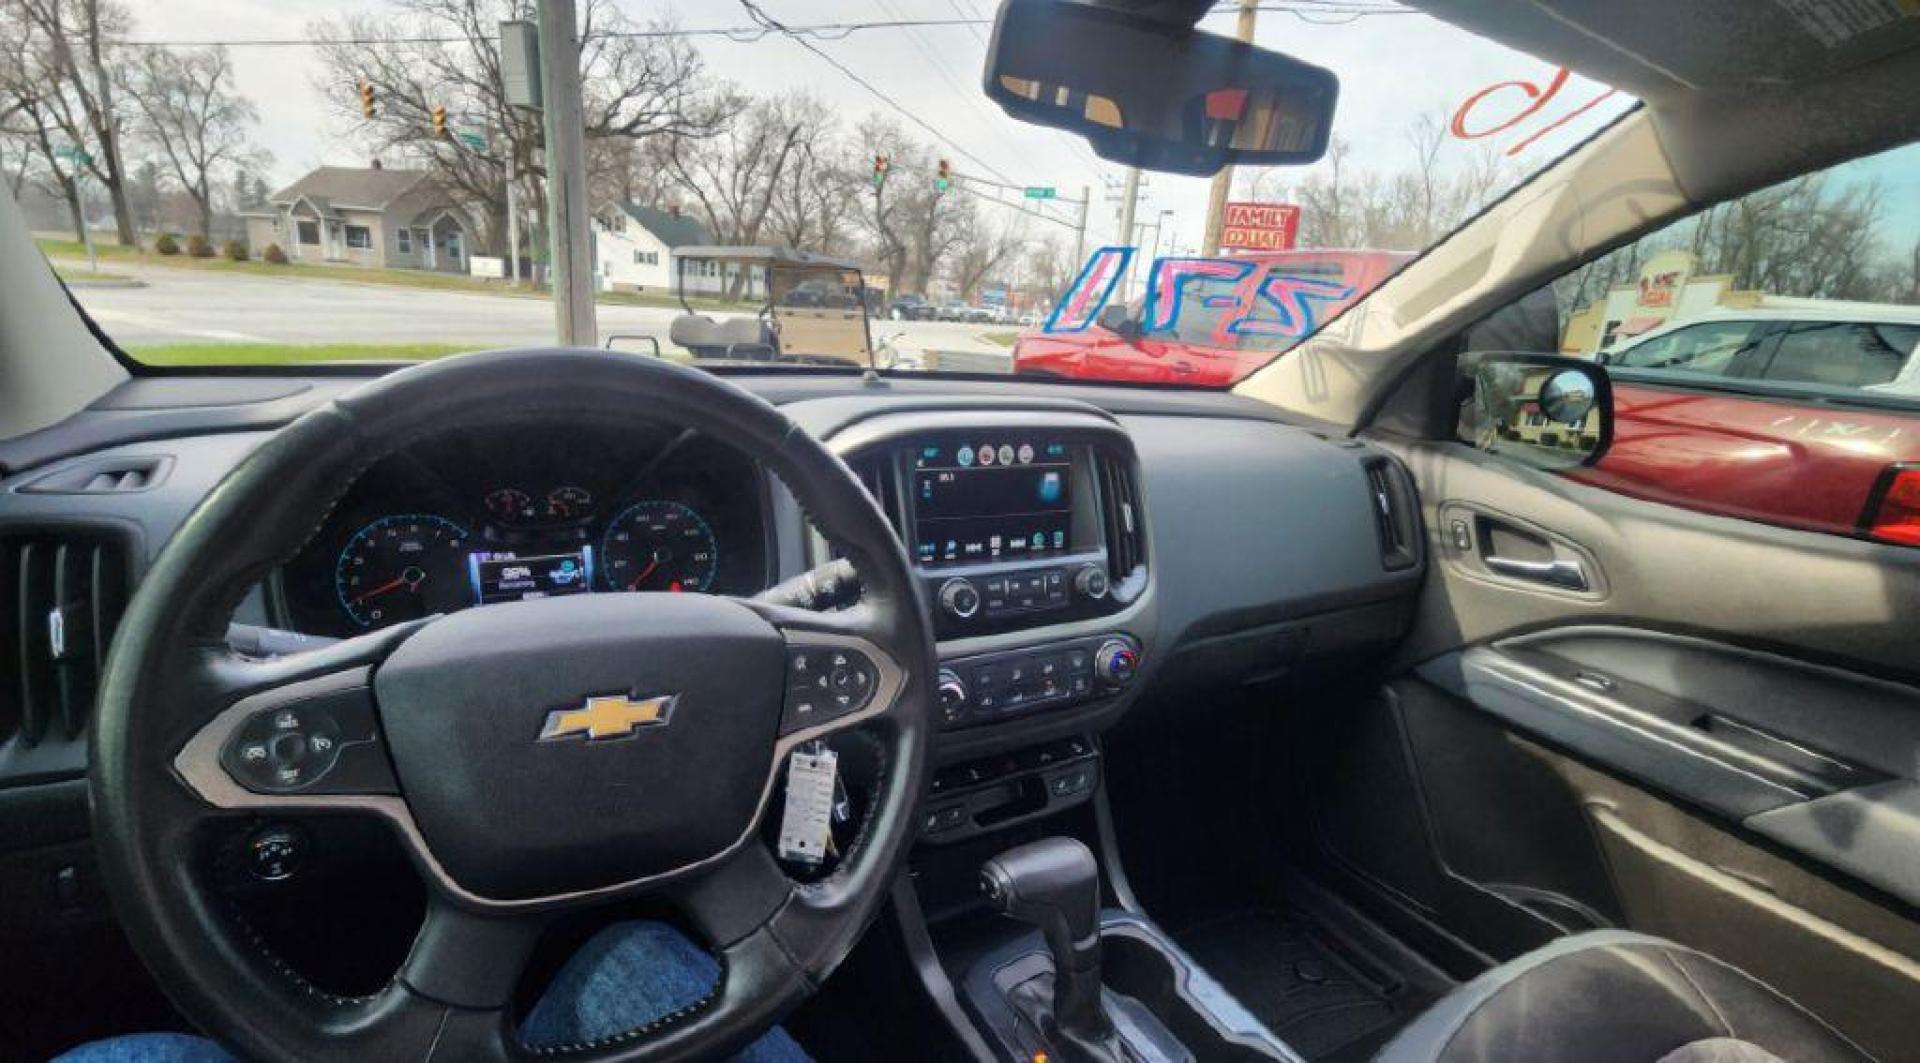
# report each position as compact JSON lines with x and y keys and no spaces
{"x":1543,"y":410}
{"x":1153,"y":95}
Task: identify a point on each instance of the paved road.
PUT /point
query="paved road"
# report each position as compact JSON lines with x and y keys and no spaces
{"x":196,"y":306}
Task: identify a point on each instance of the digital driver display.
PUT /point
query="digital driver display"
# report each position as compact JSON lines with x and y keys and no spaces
{"x":504,"y":576}
{"x":995,"y":498}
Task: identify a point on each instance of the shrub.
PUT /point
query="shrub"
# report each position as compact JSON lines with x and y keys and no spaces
{"x":199,"y":247}
{"x":166,"y":245}
{"x":235,"y":250}
{"x":274,"y":255}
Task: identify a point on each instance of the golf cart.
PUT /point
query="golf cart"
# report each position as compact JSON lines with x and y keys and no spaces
{"x":813,"y":308}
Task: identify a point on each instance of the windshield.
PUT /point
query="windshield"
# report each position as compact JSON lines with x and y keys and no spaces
{"x":784,"y":184}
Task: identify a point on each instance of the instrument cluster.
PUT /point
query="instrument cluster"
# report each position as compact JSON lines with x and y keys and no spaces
{"x":471,"y":519}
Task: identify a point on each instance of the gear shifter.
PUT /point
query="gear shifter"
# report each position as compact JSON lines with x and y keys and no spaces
{"x":1054,"y":885}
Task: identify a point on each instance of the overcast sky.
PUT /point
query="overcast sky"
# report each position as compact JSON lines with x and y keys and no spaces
{"x":1391,"y":68}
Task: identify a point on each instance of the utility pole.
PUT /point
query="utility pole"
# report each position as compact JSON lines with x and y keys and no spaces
{"x":572,"y":249}
{"x":1080,"y":228}
{"x":513,"y":222}
{"x":1128,"y":198}
{"x":1223,"y":181}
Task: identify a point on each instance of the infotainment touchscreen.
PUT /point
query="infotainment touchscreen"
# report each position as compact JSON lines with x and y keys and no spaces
{"x":994,"y":498}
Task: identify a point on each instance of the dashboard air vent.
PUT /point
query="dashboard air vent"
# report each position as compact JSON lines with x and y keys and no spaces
{"x":104,"y":476}
{"x":1125,"y":523}
{"x":1390,"y":497}
{"x":62,"y":593}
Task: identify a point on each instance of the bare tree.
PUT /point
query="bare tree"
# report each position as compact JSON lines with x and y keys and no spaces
{"x":193,"y":116}
{"x":635,"y":87}
{"x":731,"y":178}
{"x":981,"y":246}
{"x":818,"y":193}
{"x":59,"y":82}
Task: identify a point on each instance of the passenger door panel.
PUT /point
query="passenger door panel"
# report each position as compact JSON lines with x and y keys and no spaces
{"x":1718,"y":740}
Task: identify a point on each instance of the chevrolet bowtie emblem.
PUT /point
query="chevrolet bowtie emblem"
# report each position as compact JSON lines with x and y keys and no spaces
{"x":608,"y":716}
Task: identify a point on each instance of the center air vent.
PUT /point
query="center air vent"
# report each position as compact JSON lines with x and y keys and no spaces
{"x":1125,"y":523}
{"x":61,"y":594}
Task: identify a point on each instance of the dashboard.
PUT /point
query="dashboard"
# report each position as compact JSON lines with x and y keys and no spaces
{"x":1076,"y":546}
{"x":528,"y":511}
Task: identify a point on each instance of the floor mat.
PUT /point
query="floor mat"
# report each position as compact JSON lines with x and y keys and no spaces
{"x":1319,"y":1002}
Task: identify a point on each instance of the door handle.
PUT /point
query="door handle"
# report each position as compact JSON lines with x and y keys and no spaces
{"x":1560,"y":572}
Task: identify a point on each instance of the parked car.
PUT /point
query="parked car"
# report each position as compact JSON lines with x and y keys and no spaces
{"x":911,"y":306}
{"x":1801,"y":415}
{"x":1198,"y":350}
{"x":951,"y":310}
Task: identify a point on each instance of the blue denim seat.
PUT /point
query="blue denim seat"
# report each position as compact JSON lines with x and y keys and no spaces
{"x":626,"y":976}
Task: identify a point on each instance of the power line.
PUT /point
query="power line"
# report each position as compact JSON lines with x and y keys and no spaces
{"x":754,"y":12}
{"x":826,"y":31}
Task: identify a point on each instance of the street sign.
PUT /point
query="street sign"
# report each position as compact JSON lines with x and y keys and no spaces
{"x":472,"y":139}
{"x":1040,"y":192}
{"x":1260,"y":227}
{"x":994,"y":297}
{"x":74,"y":155}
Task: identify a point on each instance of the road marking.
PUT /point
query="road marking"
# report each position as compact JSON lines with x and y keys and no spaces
{"x":145,"y":322}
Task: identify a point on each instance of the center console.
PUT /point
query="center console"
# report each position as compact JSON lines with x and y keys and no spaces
{"x":1027,"y":533}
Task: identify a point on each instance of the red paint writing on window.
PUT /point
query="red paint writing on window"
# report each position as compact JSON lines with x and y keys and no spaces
{"x":1501,"y":98}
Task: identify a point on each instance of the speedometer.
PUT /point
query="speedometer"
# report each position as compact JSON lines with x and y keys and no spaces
{"x":403,"y":567}
{"x":659,"y":546}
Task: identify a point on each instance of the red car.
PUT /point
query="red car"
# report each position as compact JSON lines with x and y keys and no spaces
{"x":1803,"y":416}
{"x":1222,"y":330}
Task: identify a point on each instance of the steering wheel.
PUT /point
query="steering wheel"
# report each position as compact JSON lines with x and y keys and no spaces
{"x":535,"y":757}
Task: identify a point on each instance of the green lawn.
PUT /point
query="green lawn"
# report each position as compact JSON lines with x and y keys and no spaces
{"x":74,"y":273}
{"x":1003,"y":339}
{"x":176,"y":354}
{"x":73,"y":250}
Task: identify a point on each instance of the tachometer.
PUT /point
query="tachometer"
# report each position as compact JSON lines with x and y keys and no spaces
{"x":403,"y":567}
{"x":659,"y":546}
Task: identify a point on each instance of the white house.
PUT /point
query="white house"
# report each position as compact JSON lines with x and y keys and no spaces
{"x":391,"y":219}
{"x":633,"y":246}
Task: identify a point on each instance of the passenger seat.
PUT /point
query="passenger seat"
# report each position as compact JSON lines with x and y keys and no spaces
{"x":1610,"y":996}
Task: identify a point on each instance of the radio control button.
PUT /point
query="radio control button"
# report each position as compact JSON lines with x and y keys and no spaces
{"x":959,"y":598}
{"x":1091,"y":581}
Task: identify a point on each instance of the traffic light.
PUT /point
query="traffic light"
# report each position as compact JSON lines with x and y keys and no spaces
{"x":366,"y":99}
{"x":944,"y":178}
{"x":879,"y":170}
{"x":439,"y":121}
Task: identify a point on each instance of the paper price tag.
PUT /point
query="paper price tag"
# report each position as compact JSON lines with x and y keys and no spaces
{"x":806,"y":826}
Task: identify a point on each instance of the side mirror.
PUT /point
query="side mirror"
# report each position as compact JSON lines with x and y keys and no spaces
{"x":1539,"y":409}
{"x":1157,"y":95}
{"x":1116,"y":319}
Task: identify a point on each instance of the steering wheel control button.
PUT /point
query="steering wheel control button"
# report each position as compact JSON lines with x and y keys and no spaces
{"x":825,"y":683}
{"x":328,"y":743}
{"x":1064,"y":674}
{"x":275,"y":853}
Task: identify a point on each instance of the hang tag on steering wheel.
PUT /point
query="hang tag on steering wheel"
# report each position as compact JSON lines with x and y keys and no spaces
{"x":806,"y":825}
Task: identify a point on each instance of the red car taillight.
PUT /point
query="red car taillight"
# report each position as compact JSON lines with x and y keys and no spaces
{"x":1895,"y":517}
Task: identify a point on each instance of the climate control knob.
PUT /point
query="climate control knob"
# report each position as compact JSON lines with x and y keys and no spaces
{"x":1091,"y":581}
{"x":1116,"y":662}
{"x":953,"y":695}
{"x":959,"y":598}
